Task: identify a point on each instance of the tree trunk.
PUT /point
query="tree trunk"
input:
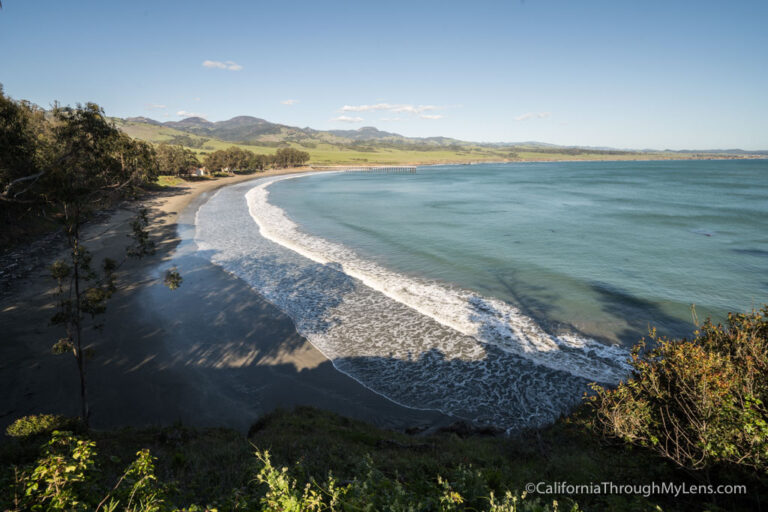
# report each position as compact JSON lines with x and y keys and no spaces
{"x":80,"y":356}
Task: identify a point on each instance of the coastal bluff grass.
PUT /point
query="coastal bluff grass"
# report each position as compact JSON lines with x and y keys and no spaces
{"x":309,"y":459}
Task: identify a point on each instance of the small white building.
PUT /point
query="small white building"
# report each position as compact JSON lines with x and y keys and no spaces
{"x":200,"y":171}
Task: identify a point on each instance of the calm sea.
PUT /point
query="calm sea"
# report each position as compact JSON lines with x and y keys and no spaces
{"x":497,"y":292}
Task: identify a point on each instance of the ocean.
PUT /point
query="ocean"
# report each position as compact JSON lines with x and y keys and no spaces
{"x":497,"y":292}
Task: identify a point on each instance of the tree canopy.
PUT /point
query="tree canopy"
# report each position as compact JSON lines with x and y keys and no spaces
{"x":176,"y":160}
{"x":74,"y":154}
{"x":239,"y":159}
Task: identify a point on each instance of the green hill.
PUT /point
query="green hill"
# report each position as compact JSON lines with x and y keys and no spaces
{"x":368,"y":145}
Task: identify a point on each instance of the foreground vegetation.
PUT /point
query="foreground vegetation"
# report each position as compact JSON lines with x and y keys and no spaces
{"x":691,"y":414}
{"x":698,"y":402}
{"x":314,"y":460}
{"x":221,"y":470}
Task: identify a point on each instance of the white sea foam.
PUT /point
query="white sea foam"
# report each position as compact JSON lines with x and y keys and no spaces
{"x":421,"y":344}
{"x":488,"y":320}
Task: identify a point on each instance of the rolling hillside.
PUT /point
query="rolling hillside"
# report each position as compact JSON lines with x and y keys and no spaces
{"x":368,"y":145}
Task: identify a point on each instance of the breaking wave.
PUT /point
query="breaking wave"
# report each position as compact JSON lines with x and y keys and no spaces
{"x":420,"y":343}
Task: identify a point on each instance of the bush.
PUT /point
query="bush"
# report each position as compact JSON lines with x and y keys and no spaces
{"x":372,"y":490}
{"x":37,"y":424}
{"x":698,"y":402}
{"x":67,"y":476}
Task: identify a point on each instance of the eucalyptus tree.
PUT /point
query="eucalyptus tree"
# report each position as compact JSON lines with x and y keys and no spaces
{"x":25,"y":150}
{"x":175,"y":160}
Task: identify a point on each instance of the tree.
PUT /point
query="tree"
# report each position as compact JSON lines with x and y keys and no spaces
{"x":290,"y":157}
{"x":231,"y":159}
{"x":215,"y":161}
{"x":25,"y":149}
{"x":237,"y":159}
{"x":95,"y":164}
{"x":260,"y":162}
{"x":72,"y":166}
{"x":175,"y":160}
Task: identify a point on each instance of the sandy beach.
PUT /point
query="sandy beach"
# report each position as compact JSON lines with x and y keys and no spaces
{"x":212,"y":353}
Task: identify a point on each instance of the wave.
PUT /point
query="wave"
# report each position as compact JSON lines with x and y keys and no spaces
{"x":488,"y":320}
{"x":421,"y":344}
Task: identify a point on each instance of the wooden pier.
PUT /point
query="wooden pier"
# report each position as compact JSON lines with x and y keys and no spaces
{"x":375,"y":170}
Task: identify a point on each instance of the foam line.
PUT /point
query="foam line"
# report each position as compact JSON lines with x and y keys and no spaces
{"x":488,"y":320}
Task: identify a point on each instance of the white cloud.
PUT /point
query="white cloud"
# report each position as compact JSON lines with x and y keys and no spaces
{"x":533,"y":115}
{"x":388,"y":119}
{"x":197,"y":99}
{"x":396,"y":108}
{"x":365,"y":108}
{"x":289,"y":102}
{"x":184,"y":113}
{"x":217,"y":64}
{"x":431,"y":116}
{"x":347,"y":119}
{"x":155,"y":106}
{"x":415,"y":109}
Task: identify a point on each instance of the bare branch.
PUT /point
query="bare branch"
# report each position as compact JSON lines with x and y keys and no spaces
{"x":20,"y":180}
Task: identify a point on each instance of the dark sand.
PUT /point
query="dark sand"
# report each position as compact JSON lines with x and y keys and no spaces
{"x":212,"y":353}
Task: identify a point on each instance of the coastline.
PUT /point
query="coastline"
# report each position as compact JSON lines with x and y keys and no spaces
{"x":212,"y":353}
{"x":452,"y":163}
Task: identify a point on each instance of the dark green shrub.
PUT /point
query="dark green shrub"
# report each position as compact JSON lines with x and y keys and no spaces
{"x":697,"y":402}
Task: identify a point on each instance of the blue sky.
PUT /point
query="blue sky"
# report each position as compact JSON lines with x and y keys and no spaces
{"x":621,"y":73}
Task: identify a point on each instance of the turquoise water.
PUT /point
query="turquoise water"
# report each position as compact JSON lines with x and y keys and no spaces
{"x":496,"y":293}
{"x":605,"y":248}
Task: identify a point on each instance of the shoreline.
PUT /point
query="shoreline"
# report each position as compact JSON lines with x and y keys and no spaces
{"x":434,"y":163}
{"x":213,"y":353}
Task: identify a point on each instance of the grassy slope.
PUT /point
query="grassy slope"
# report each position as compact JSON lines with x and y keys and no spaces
{"x":148,"y":132}
{"x":206,"y":465}
{"x":324,"y":152}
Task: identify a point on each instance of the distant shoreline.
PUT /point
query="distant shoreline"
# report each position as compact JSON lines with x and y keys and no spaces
{"x":431,"y":163}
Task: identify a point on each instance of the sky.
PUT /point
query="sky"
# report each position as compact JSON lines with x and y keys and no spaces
{"x":621,"y":73}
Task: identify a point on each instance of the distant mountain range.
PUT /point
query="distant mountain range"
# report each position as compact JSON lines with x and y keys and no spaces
{"x":253,"y":130}
{"x":259,"y":132}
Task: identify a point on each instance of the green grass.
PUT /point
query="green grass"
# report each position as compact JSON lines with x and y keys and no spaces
{"x":326,"y":154}
{"x":149,"y":132}
{"x":168,"y":181}
{"x":329,"y":154}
